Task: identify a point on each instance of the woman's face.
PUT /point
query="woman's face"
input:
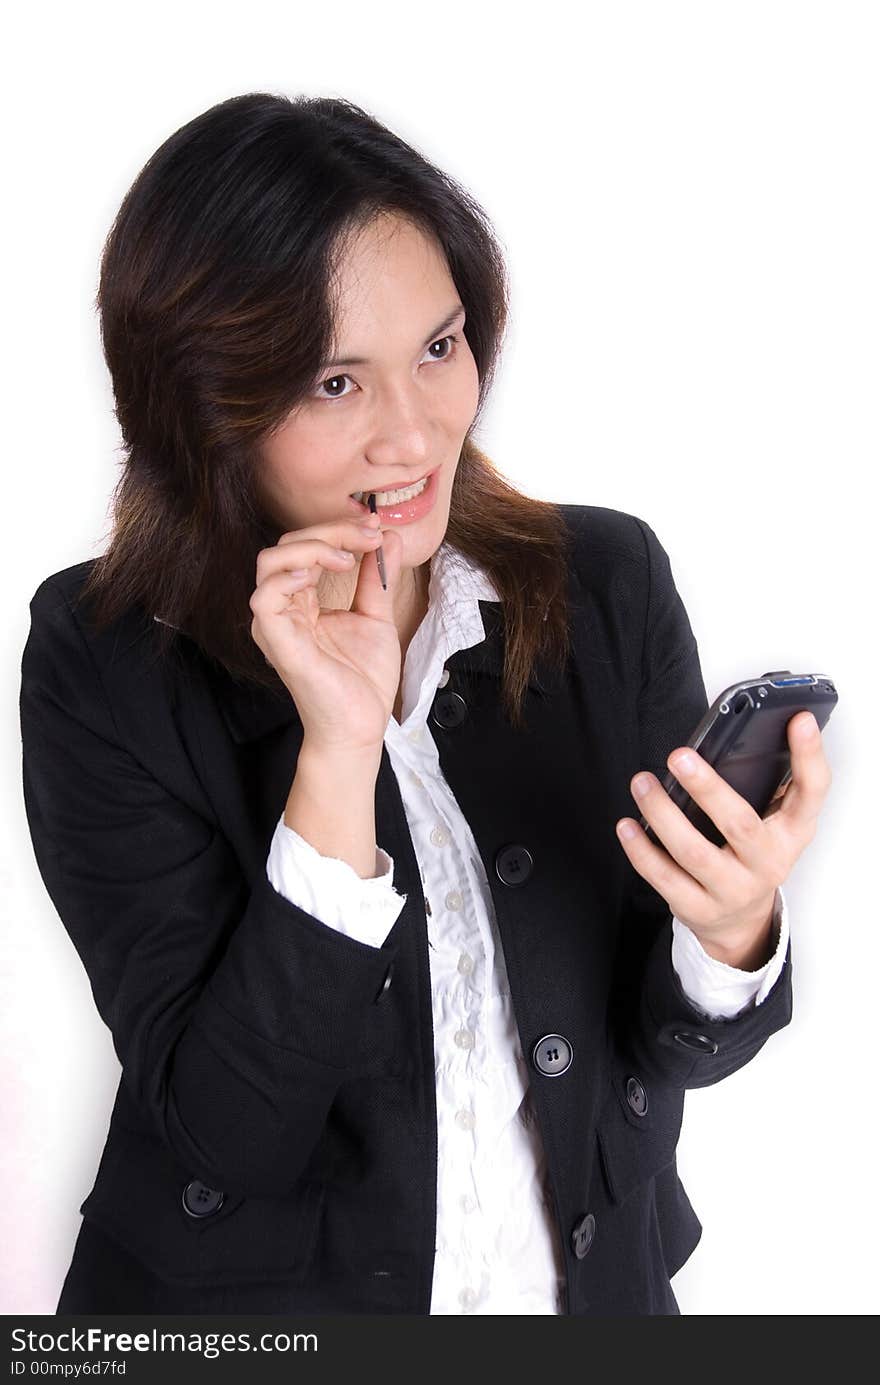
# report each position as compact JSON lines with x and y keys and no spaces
{"x":399,"y":413}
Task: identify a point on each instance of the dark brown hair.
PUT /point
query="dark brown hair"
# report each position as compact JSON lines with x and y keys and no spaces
{"x":216,"y":311}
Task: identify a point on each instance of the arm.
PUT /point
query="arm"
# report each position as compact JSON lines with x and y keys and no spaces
{"x":650,"y":1005}
{"x":235,"y":1014}
{"x":718,"y":988}
{"x":332,"y":805}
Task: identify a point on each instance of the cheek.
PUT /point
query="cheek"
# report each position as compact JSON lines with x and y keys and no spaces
{"x":298,"y":456}
{"x":294,"y":464}
{"x":467,"y":391}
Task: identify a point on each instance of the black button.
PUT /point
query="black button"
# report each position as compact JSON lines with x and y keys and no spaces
{"x":449,"y":709}
{"x":636,"y":1096}
{"x":701,"y":1042}
{"x":513,"y":865}
{"x":582,"y":1235}
{"x":200,"y":1200}
{"x":552,"y":1055}
{"x":386,"y":982}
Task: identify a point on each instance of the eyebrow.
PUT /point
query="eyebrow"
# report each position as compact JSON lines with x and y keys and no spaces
{"x":431,"y":337}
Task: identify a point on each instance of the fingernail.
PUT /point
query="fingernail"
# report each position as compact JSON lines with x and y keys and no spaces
{"x":809,"y":726}
{"x":344,"y":554}
{"x":641,"y":785}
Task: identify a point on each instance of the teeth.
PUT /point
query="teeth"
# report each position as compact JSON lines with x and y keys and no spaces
{"x":394,"y":497}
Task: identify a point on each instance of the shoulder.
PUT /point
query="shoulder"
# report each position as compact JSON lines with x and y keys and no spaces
{"x":66,"y":649}
{"x":55,"y":633}
{"x":64,"y":585}
{"x":59,"y":602}
{"x":108,"y":687}
{"x":58,"y":594}
{"x":604,"y":541}
{"x":621,"y":583}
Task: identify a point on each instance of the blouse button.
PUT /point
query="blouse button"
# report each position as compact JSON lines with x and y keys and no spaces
{"x":467,"y":1298}
{"x":465,"y":963}
{"x":468,"y":1204}
{"x":465,"y":1038}
{"x":439,"y":836}
{"x":453,"y":900}
{"x":465,"y":1120}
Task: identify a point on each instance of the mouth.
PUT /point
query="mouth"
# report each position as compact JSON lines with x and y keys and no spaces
{"x":397,"y":495}
{"x":403,"y":504}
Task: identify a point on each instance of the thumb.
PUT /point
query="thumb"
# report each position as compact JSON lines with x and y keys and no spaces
{"x":370,"y":599}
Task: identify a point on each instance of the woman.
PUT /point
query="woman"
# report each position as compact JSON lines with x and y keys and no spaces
{"x":402,"y":1027}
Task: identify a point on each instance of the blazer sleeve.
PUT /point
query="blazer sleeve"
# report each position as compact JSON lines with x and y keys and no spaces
{"x":654,"y":1019}
{"x":235,"y":1014}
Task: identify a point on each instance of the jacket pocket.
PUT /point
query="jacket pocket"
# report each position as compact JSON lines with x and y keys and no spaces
{"x":637,"y":1130}
{"x":188,"y":1233}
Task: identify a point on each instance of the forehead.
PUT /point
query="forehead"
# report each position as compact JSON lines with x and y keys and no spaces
{"x":386,"y":266}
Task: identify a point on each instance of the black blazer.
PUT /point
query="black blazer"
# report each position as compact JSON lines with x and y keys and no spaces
{"x":273,"y":1142}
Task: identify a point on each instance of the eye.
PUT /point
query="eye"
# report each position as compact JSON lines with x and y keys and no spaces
{"x":439,"y":342}
{"x":334,"y":379}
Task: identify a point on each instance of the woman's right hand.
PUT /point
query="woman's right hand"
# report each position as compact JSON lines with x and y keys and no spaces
{"x":342,"y":668}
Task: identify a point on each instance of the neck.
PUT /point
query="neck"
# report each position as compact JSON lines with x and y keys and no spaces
{"x":411,"y":603}
{"x":410,"y":599}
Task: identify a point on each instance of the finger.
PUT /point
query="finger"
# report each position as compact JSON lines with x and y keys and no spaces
{"x":333,"y":531}
{"x":684,"y":895}
{"x":298,"y":553}
{"x":707,"y":863}
{"x":810,"y":776}
{"x":277,"y":594}
{"x":733,"y":815}
{"x":370,"y":598}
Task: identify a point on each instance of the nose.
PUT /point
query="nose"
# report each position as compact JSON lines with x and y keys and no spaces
{"x":401,"y":432}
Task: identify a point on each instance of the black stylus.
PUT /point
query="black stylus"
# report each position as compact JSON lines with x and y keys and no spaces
{"x":380,"y":556}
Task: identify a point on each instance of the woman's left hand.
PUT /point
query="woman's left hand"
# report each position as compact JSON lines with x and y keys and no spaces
{"x":725,"y":894}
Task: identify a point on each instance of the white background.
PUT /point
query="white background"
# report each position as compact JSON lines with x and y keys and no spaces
{"x":687,"y":194}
